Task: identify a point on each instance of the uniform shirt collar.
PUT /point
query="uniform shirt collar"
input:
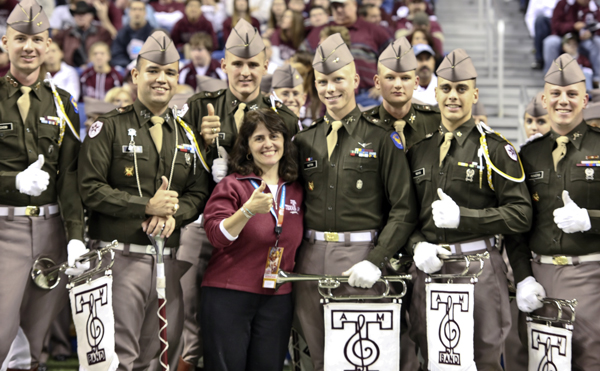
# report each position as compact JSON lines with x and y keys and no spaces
{"x":575,"y":136}
{"x":410,"y":118}
{"x":231,"y":102}
{"x":460,"y":134}
{"x":349,"y":122}
{"x":144,"y":115}
{"x":14,"y":86}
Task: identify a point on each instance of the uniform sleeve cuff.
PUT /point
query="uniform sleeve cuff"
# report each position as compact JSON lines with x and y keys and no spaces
{"x":225,"y":233}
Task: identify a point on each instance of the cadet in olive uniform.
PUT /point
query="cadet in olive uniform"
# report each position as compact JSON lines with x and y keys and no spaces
{"x":460,"y":209}
{"x":288,"y":85}
{"x":142,"y":174}
{"x":39,"y":144}
{"x":561,"y":177}
{"x":397,"y":81}
{"x":360,"y":208}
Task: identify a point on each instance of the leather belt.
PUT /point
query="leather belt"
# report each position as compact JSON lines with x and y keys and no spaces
{"x":339,"y":236}
{"x":139,"y":249}
{"x":29,"y":210}
{"x":471,"y":246}
{"x":566,"y":260}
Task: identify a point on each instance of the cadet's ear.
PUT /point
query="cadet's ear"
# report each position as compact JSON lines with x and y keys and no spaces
{"x":134,"y":75}
{"x":416,"y":82}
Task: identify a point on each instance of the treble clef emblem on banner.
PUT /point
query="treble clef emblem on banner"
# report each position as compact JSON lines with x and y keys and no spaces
{"x":95,"y":327}
{"x":449,"y":330}
{"x":359,"y":350}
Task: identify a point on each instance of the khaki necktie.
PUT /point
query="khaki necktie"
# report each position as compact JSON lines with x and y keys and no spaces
{"x":445,"y":146}
{"x":238,"y":116}
{"x":156,"y":131}
{"x":399,"y":127}
{"x":333,"y":137}
{"x":24,"y":103}
{"x":560,"y":151}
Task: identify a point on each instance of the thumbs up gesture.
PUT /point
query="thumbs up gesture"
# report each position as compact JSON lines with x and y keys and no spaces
{"x":571,"y":218}
{"x":164,"y":203}
{"x":446,"y":213}
{"x":33,"y":180}
{"x":210,"y":126}
{"x":259,"y":202}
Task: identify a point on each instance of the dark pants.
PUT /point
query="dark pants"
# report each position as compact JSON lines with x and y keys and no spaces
{"x":243,"y":331}
{"x":542,"y":30}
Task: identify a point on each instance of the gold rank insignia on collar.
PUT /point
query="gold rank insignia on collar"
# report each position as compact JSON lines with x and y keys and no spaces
{"x":458,"y":134}
{"x":11,"y":81}
{"x":350,"y":119}
{"x":576,"y":135}
{"x":412,"y":118}
{"x":145,"y":114}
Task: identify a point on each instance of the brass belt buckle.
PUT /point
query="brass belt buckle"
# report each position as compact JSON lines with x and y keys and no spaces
{"x":560,"y":260}
{"x":150,"y":250}
{"x":332,"y":237}
{"x":32,"y":211}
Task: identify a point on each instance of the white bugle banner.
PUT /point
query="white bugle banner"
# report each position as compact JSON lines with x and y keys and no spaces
{"x":450,"y":326}
{"x":362,"y":337}
{"x":549,"y":347}
{"x":92,"y":307}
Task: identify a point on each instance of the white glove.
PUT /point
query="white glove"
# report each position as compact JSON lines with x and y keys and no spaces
{"x":75,"y":249}
{"x":219,"y":167}
{"x":363,"y":274}
{"x":571,"y":218}
{"x":446,"y":213}
{"x":33,"y":180}
{"x":528,"y":293}
{"x":426,"y":257}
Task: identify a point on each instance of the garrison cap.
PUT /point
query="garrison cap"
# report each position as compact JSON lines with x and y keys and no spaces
{"x":244,"y":41}
{"x":592,"y":112}
{"x":286,"y":76}
{"x":399,"y":56}
{"x":479,"y":109}
{"x":29,"y":18}
{"x":159,"y":49}
{"x":207,"y":83}
{"x":457,"y":66}
{"x":535,"y":107}
{"x":595,"y":95}
{"x":265,"y":84}
{"x":96,"y":107}
{"x":332,"y":54}
{"x":564,"y":71}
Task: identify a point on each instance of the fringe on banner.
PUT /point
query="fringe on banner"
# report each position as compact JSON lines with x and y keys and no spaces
{"x":549,"y":347}
{"x":450,"y":326}
{"x":92,"y":307}
{"x":361,"y":336}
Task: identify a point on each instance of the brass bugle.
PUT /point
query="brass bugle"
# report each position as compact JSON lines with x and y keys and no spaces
{"x":467,"y":259}
{"x":328,"y":283}
{"x":560,"y":304}
{"x":46,"y":274}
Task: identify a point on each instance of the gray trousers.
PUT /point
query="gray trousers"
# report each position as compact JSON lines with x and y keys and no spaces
{"x":22,"y":303}
{"x":491,"y":312}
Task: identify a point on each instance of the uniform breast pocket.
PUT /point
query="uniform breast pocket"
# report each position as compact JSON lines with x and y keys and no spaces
{"x":312,"y":173}
{"x":10,"y":146}
{"x":48,"y":136}
{"x":467,"y":181}
{"x":585,"y":186}
{"x":360,"y":178}
{"x":226,"y":140}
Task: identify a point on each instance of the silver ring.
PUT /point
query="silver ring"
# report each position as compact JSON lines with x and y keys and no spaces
{"x":163,"y":226}
{"x":215,"y":130}
{"x":175,"y":208}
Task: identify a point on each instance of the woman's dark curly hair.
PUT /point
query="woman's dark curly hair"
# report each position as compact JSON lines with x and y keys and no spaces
{"x":239,"y":163}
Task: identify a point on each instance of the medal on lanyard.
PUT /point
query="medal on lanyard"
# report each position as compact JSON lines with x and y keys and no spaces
{"x":275,"y":252}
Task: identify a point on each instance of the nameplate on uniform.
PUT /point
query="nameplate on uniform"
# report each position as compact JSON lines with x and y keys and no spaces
{"x":6,"y":126}
{"x":50,"y":120}
{"x":536,"y":175}
{"x":138,"y":149}
{"x":310,"y":163}
{"x":419,"y":172}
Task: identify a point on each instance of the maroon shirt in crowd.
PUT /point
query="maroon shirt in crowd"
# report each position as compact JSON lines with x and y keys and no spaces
{"x":565,"y":16}
{"x":96,"y":85}
{"x":168,"y":8}
{"x":367,"y":41}
{"x":286,"y":49}
{"x":188,"y":73}
{"x":405,"y":23}
{"x":184,"y":29}
{"x":240,"y":264}
{"x":5,"y":9}
{"x":227,"y":26}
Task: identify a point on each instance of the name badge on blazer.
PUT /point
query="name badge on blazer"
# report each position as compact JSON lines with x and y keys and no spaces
{"x":128,"y":149}
{"x":310,"y":163}
{"x":536,"y":175}
{"x":5,"y":126}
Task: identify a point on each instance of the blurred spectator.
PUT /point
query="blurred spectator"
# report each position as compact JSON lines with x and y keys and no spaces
{"x":386,"y":19}
{"x":101,"y":77}
{"x":425,"y":70}
{"x":95,"y":108}
{"x":167,"y":13}
{"x":331,"y":30}
{"x":577,"y":16}
{"x":402,"y":9}
{"x":240,"y":11}
{"x":537,"y":19}
{"x":4,"y":63}
{"x":123,"y":5}
{"x":132,"y":36}
{"x":570,"y":45}
{"x":536,"y":117}
{"x":62,"y":18}
{"x":6,"y":6}
{"x":367,"y":41}
{"x":214,"y":11}
{"x":63,"y":75}
{"x":298,"y":6}
{"x":110,"y":17}
{"x":273,"y":64}
{"x":287,"y":39}
{"x":288,"y":86}
{"x":325,"y":4}
{"x":591,"y":114}
{"x":421,"y":21}
{"x":258,"y":9}
{"x":76,"y":41}
{"x":192,"y":22}
{"x":302,"y":62}
{"x":276,"y":13}
{"x":424,"y":37}
{"x":201,"y":47}
{"x":318,"y":16}
{"x":120,"y":96}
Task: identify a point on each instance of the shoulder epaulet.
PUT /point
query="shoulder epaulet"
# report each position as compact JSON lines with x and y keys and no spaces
{"x":207,"y":94}
{"x":593,"y":128}
{"x":426,"y":108}
{"x":313,"y":125}
{"x":117,"y":112}
{"x":535,"y":140}
{"x":372,"y":115}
